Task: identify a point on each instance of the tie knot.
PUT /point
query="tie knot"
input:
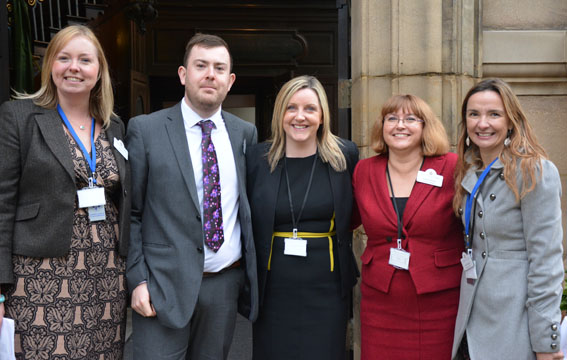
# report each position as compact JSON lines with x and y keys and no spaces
{"x":206,"y":126}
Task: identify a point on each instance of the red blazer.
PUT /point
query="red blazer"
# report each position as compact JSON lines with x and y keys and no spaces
{"x":431,"y":233}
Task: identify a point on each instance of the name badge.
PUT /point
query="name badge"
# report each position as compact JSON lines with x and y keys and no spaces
{"x":469,"y":266}
{"x":429,"y":177}
{"x":295,"y":247}
{"x":119,"y":145}
{"x":91,"y":197}
{"x":96,"y":213}
{"x":399,"y":258}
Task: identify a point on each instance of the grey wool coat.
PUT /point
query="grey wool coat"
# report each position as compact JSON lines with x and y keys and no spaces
{"x":512,"y":310}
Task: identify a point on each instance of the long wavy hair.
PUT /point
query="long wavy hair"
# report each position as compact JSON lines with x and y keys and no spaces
{"x":327,"y":143}
{"x":524,"y":148}
{"x":434,"y":139}
{"x":101,"y":101}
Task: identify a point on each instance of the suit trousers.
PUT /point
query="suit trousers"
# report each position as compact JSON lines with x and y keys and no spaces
{"x":207,"y":336}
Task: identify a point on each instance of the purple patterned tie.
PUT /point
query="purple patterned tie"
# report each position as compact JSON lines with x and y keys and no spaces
{"x":212,"y":209}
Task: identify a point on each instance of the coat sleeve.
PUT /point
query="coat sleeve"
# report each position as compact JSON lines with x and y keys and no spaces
{"x":541,"y":216}
{"x":356,"y":220}
{"x":136,"y":269}
{"x":9,"y":180}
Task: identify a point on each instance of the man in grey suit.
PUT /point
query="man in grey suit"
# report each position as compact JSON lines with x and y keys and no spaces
{"x":191,"y":262}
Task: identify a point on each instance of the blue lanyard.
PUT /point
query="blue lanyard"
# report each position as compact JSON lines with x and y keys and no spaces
{"x":90,"y":160}
{"x":470,"y":198}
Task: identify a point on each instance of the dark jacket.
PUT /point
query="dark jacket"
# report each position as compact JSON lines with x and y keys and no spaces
{"x":263,"y":192}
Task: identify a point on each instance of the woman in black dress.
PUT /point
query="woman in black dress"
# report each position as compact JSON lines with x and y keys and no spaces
{"x":299,"y":186}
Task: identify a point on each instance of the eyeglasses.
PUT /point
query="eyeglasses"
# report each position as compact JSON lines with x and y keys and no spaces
{"x":408,"y":120}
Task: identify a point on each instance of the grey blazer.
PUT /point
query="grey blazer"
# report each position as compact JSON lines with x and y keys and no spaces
{"x":37,"y":185}
{"x":166,"y":247}
{"x":512,"y":310}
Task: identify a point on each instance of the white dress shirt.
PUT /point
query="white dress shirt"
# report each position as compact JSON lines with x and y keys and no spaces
{"x":231,"y":249}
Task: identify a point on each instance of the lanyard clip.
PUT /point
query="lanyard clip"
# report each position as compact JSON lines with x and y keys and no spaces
{"x":469,"y":251}
{"x":400,"y":244}
{"x":91,"y":182}
{"x":295,"y":233}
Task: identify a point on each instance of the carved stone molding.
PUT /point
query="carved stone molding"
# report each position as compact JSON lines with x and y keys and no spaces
{"x":533,"y":62}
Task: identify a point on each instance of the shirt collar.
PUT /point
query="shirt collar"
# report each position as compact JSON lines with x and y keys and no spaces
{"x":191,"y":118}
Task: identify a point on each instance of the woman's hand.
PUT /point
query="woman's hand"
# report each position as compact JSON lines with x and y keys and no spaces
{"x":550,"y":356}
{"x":1,"y":314}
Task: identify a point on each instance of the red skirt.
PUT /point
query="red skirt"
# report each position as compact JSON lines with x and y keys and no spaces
{"x":404,"y":325}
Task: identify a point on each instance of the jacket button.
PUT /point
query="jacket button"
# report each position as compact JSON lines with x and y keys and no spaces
{"x":200,"y":249}
{"x":553,"y":336}
{"x":198,"y":217}
{"x":554,"y":327}
{"x":484,"y":254}
{"x":460,"y":211}
{"x":492,"y":197}
{"x":482,"y":235}
{"x":501,"y":176}
{"x":125,"y":193}
{"x":553,"y":346}
{"x":480,"y":214}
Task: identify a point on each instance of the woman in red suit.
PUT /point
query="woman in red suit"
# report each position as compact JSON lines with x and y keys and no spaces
{"x":411,"y":266}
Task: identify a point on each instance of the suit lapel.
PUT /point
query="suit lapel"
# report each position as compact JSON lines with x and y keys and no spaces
{"x":380,"y":188}
{"x":337,"y":189}
{"x":111,"y":133}
{"x":178,"y":138}
{"x":272,"y":181}
{"x":421,"y":191}
{"x":237,"y":141}
{"x":50,"y":125}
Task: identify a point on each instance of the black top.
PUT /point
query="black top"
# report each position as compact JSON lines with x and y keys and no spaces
{"x":319,"y":207}
{"x":401,"y":202}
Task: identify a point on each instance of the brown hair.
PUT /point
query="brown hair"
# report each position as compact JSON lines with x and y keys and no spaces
{"x":434,"y":139}
{"x":101,"y":101}
{"x":207,"y":41}
{"x":327,"y":143}
{"x":523,"y":145}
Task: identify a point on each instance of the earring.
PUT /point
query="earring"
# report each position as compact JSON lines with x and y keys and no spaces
{"x":468,"y":142}
{"x":507,"y":141}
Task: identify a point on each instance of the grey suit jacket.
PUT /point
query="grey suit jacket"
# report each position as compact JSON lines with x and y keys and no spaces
{"x":37,"y":185}
{"x":512,"y":310}
{"x":166,"y":235}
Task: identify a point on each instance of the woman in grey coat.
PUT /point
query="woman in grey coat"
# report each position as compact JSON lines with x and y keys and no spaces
{"x":508,"y":195}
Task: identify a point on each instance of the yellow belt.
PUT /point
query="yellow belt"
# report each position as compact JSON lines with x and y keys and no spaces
{"x":307,"y":235}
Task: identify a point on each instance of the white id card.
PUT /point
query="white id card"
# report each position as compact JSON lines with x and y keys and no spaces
{"x":469,"y":266}
{"x":295,"y":247}
{"x":399,"y":258}
{"x":96,"y":213}
{"x":91,"y":197}
{"x":430,"y":177}
{"x":119,"y":145}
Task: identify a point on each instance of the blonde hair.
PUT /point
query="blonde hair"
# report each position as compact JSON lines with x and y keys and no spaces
{"x":327,"y":143}
{"x":101,"y":101}
{"x":523,"y":144}
{"x":434,"y":140}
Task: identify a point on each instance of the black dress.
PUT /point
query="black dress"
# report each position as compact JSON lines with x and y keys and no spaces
{"x":303,"y":315}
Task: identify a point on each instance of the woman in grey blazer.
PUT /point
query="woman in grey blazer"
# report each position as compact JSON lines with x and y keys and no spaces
{"x":64,"y":208}
{"x":508,"y":195}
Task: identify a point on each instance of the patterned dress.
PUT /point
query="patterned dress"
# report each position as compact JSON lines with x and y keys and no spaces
{"x":74,"y":307}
